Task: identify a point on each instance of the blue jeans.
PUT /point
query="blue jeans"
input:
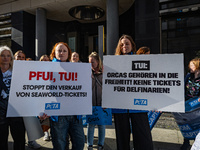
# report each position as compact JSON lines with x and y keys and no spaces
{"x":90,"y":134}
{"x":67,"y":125}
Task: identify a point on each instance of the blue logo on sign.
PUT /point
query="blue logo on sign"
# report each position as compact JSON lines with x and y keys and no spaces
{"x":140,"y":102}
{"x":49,"y":106}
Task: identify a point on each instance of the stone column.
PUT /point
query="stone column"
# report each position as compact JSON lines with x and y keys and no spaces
{"x":40,"y":38}
{"x":101,"y":40}
{"x":112,"y":25}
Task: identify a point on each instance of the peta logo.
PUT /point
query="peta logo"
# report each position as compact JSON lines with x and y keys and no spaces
{"x":140,"y":102}
{"x":49,"y":106}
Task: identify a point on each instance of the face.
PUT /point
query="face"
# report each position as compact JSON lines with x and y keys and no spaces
{"x":45,"y":58}
{"x":126,"y":46}
{"x":5,"y":57}
{"x":20,"y":56}
{"x":93,"y":62}
{"x":61,"y":52}
{"x":75,"y":57}
{"x":192,"y":67}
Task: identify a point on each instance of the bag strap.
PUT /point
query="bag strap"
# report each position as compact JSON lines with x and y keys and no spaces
{"x":94,"y":75}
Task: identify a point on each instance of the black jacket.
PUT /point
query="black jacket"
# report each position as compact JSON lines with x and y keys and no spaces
{"x":3,"y":101}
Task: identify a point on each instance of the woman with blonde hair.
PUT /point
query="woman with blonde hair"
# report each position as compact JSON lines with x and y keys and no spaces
{"x":20,"y":55}
{"x":44,"y":58}
{"x":16,"y":124}
{"x":96,"y":65}
{"x":75,"y":57}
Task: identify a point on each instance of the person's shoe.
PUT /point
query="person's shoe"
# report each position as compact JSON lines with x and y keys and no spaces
{"x":33,"y":144}
{"x":100,"y":147}
{"x":46,"y":136}
{"x":90,"y":147}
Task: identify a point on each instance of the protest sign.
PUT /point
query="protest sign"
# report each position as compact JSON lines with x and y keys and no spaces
{"x":188,"y":122}
{"x":100,"y":116}
{"x":144,"y":82}
{"x":153,"y":117}
{"x":54,"y":88}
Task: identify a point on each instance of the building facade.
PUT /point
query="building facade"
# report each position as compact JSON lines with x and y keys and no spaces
{"x":166,"y":26}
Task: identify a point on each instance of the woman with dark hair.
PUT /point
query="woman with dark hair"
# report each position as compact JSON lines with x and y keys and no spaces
{"x":142,"y":139}
{"x":143,"y":50}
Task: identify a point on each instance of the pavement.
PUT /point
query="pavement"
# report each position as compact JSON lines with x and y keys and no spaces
{"x":163,"y":139}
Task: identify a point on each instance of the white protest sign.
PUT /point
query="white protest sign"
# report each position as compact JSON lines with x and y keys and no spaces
{"x":144,"y":82}
{"x":54,"y":88}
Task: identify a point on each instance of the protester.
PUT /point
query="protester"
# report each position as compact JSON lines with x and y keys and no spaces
{"x":16,"y":124}
{"x":96,"y":65}
{"x":29,"y":59}
{"x":61,"y":126}
{"x":45,"y":123}
{"x":44,"y":58}
{"x":20,"y":55}
{"x":75,"y":57}
{"x":142,"y":139}
{"x":192,"y":86}
{"x":143,"y":50}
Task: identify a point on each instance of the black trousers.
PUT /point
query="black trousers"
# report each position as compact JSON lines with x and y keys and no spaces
{"x":142,"y":139}
{"x":17,"y":130}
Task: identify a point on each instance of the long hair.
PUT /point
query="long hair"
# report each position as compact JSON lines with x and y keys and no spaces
{"x":95,"y":55}
{"x":196,"y":62}
{"x":3,"y":48}
{"x":118,"y":48}
{"x":52,"y":55}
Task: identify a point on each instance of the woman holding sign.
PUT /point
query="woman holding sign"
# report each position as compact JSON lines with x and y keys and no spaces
{"x":61,"y":126}
{"x":189,"y":121}
{"x":122,"y":117}
{"x":96,"y":64}
{"x":16,"y":124}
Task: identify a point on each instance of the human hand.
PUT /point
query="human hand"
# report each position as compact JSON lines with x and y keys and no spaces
{"x":43,"y":117}
{"x":157,"y":111}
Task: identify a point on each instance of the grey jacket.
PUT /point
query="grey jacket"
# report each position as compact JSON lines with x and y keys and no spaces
{"x":97,"y":89}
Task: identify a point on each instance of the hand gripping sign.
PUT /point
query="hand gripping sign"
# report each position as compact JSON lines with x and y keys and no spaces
{"x":52,"y":88}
